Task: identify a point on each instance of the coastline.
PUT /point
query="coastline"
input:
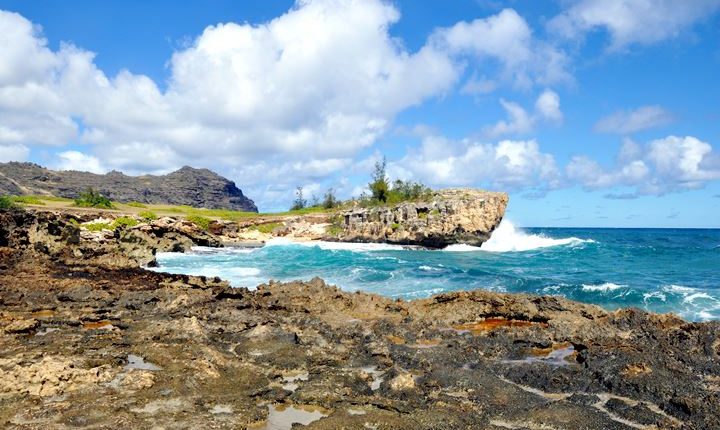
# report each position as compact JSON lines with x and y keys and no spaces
{"x":92,"y":339}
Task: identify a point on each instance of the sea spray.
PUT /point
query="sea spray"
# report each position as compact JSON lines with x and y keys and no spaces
{"x":508,"y":238}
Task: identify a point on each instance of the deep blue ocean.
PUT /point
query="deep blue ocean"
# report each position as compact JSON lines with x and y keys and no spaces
{"x":663,"y":270}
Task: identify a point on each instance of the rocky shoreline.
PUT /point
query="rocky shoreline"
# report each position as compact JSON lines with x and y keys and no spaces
{"x":92,"y":340}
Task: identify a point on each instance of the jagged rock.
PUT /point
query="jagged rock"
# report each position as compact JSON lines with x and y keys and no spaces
{"x":187,"y":186}
{"x":461,"y":360}
{"x":451,"y":216}
{"x":61,"y":236}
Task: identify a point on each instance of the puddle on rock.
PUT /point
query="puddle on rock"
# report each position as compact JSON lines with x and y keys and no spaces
{"x":221,"y":409}
{"x":291,"y":378}
{"x":45,"y":313}
{"x":282,"y":417}
{"x":98,"y":325}
{"x":135,"y":362}
{"x":352,"y":411}
{"x":489,"y":324}
{"x":46,"y":331}
{"x":555,"y":356}
{"x":139,"y":363}
{"x":376,"y":376}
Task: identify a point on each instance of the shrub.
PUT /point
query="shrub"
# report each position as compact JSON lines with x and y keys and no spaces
{"x":334,"y":230}
{"x":379,"y":186}
{"x":93,"y":199}
{"x":267,"y":228}
{"x":136,"y":204}
{"x":98,"y":226}
{"x":330,"y":201}
{"x":200,"y":221}
{"x":148,"y":215}
{"x":7,"y":203}
{"x":124,"y":222}
{"x":395,"y":226}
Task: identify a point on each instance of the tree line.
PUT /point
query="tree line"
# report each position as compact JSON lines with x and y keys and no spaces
{"x":382,"y":191}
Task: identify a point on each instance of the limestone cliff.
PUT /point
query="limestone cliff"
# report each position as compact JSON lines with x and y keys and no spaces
{"x":450,"y":216}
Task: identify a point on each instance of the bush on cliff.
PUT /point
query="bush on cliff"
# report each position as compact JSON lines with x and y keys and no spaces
{"x":124,"y":221}
{"x":93,"y":199}
{"x":200,"y":221}
{"x":330,"y":201}
{"x":7,"y":203}
{"x":148,"y":215}
{"x":300,"y":202}
{"x":379,"y":187}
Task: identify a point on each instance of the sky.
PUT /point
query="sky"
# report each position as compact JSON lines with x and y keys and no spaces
{"x":595,"y":113}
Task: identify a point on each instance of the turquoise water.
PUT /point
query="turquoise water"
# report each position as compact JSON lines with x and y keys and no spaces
{"x":663,"y":270}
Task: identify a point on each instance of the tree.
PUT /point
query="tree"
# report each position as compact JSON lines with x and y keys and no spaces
{"x":299,"y":202}
{"x":330,"y":201}
{"x":379,"y":186}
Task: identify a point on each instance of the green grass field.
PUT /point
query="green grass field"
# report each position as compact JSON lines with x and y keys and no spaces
{"x":143,"y":209}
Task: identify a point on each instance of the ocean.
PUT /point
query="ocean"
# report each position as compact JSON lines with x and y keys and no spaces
{"x":661,"y":270}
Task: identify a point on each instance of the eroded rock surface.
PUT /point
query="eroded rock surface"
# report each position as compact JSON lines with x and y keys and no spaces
{"x":101,"y":346}
{"x":451,"y":216}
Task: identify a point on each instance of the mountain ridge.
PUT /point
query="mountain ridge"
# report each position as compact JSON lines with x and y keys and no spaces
{"x":197,"y":187}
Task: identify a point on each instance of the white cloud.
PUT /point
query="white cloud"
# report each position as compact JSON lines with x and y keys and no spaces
{"x":627,"y":122}
{"x":631,"y":21}
{"x":507,"y":39}
{"x":13,"y":153}
{"x":75,"y":160}
{"x":508,"y":164}
{"x":519,"y":121}
{"x":670,"y":164}
{"x":548,"y":106}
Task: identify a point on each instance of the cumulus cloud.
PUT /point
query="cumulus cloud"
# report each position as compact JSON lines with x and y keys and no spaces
{"x":520,"y":121}
{"x":508,"y":164}
{"x":318,"y":84}
{"x":631,"y":22}
{"x":627,"y":122}
{"x":507,"y":39}
{"x":670,"y":164}
{"x":548,"y":106}
{"x":75,"y":160}
{"x":13,"y":153}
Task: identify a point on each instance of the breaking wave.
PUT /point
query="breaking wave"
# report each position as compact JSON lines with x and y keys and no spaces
{"x":507,"y":238}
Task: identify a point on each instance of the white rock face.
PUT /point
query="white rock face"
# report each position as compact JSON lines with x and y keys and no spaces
{"x":451,"y":216}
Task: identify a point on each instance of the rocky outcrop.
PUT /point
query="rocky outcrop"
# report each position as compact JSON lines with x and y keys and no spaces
{"x":98,"y":347}
{"x":451,"y":216}
{"x":200,"y":188}
{"x":94,"y":345}
{"x":65,"y":238}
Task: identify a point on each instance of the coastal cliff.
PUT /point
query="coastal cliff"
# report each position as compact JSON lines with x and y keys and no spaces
{"x":92,"y":340}
{"x":186,"y":186}
{"x":452,"y":216}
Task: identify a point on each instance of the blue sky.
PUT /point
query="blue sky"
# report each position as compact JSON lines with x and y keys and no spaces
{"x":588,"y":112}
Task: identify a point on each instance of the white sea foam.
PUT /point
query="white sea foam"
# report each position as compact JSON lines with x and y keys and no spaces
{"x":678,"y":289}
{"x":607,"y":286}
{"x":694,"y":296}
{"x":338,"y":246}
{"x":461,"y":248}
{"x":507,"y":238}
{"x":654,"y":295}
